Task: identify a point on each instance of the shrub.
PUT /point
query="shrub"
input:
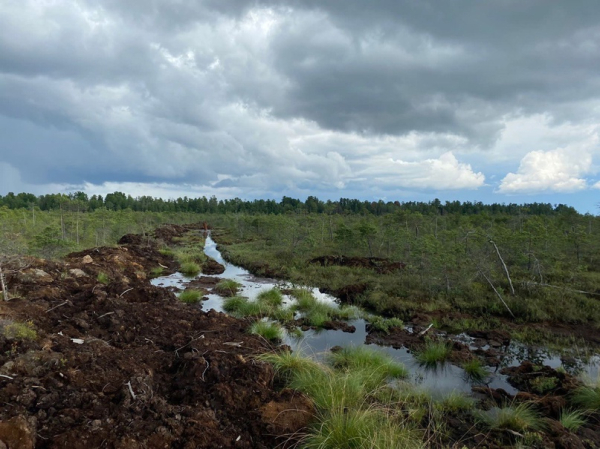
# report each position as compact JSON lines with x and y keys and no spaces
{"x":543,"y":384}
{"x":190,"y":296}
{"x":382,"y":324}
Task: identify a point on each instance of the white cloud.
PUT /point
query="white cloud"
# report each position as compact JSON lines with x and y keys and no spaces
{"x":442,"y":173}
{"x":559,"y":170}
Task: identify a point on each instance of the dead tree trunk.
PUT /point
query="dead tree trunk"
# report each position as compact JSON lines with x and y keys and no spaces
{"x":512,"y":289}
{"x":497,"y":293}
{"x":3,"y":282}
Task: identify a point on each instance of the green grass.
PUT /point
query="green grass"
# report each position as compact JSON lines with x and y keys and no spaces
{"x":433,"y":352}
{"x":18,"y":330}
{"x":287,"y":364}
{"x":234,"y":304}
{"x":331,"y":389}
{"x":475,"y":370}
{"x":349,"y":313}
{"x":364,"y":428}
{"x":267,"y":330}
{"x":587,"y":397}
{"x":572,"y":419}
{"x":190,"y":296}
{"x":456,"y":402}
{"x":156,"y":272}
{"x":272,"y":297}
{"x":190,"y":268}
{"x":519,"y":418}
{"x":282,"y":314}
{"x":103,"y":278}
{"x":167,"y":252}
{"x":362,"y":358}
{"x":227,"y":287}
{"x":382,"y":324}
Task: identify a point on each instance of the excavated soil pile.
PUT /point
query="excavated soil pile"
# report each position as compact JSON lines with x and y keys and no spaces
{"x":119,"y":363}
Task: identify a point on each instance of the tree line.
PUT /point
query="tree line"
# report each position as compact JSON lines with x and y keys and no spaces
{"x":118,"y":201}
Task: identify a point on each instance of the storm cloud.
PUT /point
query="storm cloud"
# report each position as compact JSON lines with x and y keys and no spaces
{"x":264,"y":98}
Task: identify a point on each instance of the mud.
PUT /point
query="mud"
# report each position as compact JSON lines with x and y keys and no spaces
{"x":377,"y":264}
{"x":123,"y":364}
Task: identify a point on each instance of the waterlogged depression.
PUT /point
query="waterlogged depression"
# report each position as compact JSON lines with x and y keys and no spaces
{"x":439,"y":380}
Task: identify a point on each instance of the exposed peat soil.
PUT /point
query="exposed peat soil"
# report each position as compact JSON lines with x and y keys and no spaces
{"x":123,"y":364}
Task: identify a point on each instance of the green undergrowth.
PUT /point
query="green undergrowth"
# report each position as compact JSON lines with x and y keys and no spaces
{"x":442,"y":270}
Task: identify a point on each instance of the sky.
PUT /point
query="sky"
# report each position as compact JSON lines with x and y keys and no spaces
{"x":470,"y":100}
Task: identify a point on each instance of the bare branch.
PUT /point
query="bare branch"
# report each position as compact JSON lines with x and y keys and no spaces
{"x":497,"y":293}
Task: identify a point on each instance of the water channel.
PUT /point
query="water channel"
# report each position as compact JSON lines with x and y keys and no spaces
{"x":317,"y":343}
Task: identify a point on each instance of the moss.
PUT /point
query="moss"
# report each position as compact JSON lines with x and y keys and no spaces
{"x":19,"y":331}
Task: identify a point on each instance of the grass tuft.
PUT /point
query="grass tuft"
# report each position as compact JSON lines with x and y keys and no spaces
{"x":287,"y":364}
{"x":433,"y":353}
{"x":572,"y":419}
{"x":362,"y":358}
{"x":190,"y":296}
{"x":518,"y":418}
{"x":227,"y":287}
{"x":267,"y":330}
{"x":273,"y":297}
{"x":587,"y":397}
{"x":456,"y":402}
{"x":475,"y":370}
{"x":190,"y":268}
{"x":368,"y":428}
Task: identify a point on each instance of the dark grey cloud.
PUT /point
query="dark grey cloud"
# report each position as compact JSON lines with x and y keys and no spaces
{"x":268,"y":96}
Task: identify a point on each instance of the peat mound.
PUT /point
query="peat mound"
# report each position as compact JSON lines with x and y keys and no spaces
{"x":119,"y":363}
{"x":380,"y":265}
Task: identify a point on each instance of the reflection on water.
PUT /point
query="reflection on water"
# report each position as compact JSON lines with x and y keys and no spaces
{"x":439,"y":379}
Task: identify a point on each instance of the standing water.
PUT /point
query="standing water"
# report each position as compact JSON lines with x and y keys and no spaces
{"x":317,"y":343}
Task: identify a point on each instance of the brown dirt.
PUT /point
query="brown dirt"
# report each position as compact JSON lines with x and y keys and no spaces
{"x":378,"y":264}
{"x":193,"y":375}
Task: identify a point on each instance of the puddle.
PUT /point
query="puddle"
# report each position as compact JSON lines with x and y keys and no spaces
{"x":439,"y":380}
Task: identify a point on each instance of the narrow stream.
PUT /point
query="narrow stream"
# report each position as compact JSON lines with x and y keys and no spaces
{"x":317,"y":343}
